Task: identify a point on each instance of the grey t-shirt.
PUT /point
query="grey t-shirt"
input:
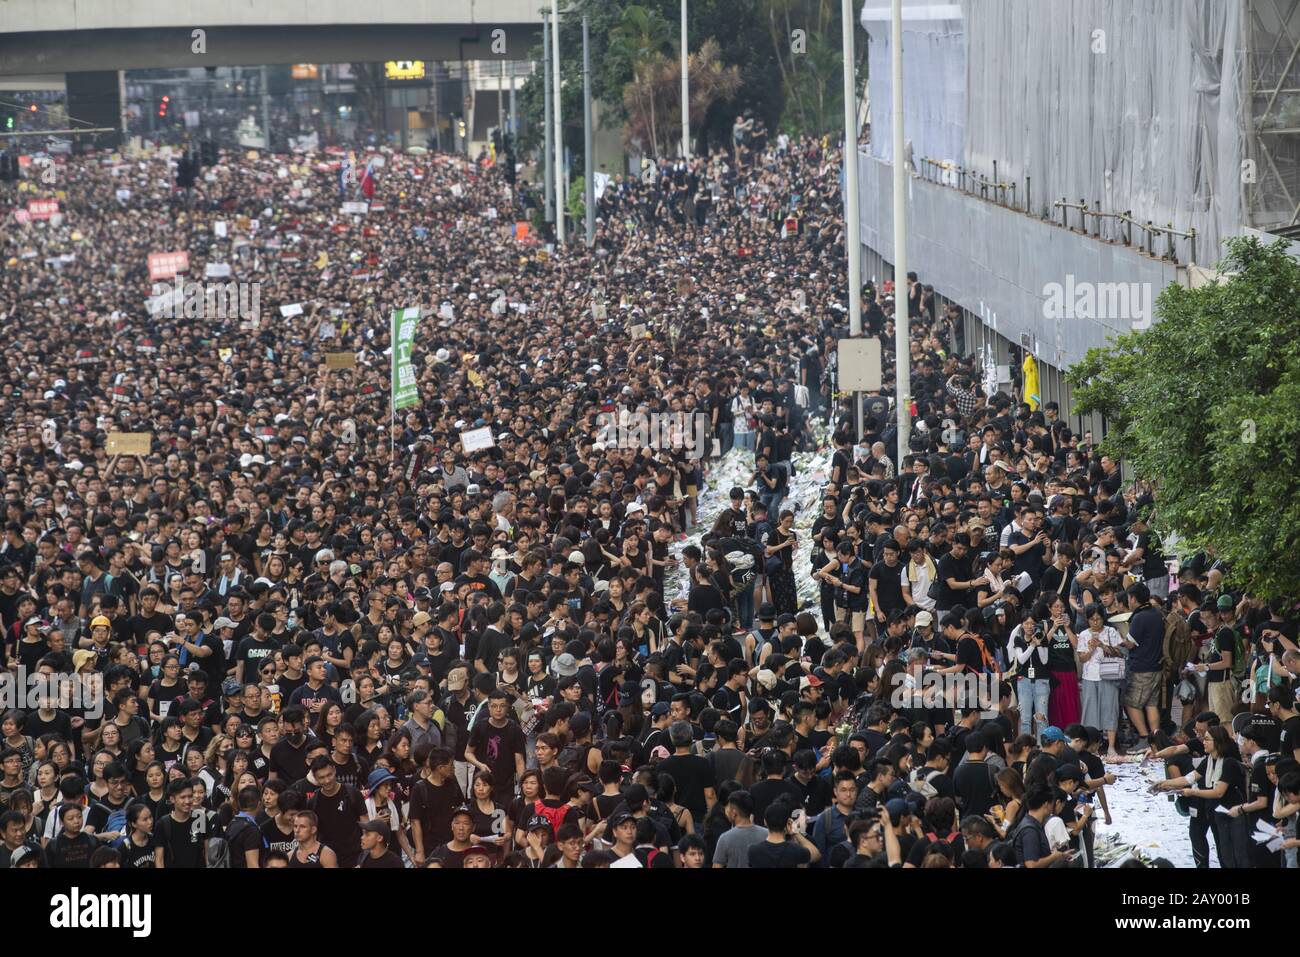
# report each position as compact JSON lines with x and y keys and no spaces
{"x":733,"y":845}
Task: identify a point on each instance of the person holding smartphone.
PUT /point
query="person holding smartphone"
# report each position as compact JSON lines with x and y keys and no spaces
{"x":1030,"y":655}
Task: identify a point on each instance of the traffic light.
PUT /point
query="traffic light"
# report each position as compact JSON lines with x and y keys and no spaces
{"x":163,"y":104}
{"x":9,"y":121}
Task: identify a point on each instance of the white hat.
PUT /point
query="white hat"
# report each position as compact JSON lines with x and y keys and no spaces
{"x":442,"y":355}
{"x":924,"y":619}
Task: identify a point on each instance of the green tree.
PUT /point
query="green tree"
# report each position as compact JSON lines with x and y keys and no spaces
{"x":643,"y":38}
{"x":1206,"y":406}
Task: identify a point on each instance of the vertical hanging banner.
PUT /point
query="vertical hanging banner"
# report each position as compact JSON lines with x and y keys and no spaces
{"x":405,"y":391}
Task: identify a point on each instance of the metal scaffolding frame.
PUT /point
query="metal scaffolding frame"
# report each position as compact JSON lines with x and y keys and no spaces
{"x":1272,"y":36}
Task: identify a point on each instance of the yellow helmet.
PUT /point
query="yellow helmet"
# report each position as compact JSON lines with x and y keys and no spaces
{"x":101,"y":622}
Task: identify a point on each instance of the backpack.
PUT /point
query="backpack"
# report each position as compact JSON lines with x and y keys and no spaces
{"x":990,"y":665}
{"x":1179,"y":646}
{"x":235,"y":830}
{"x":1240,"y":662}
{"x":921,"y":785}
{"x":218,"y":852}
{"x":555,"y":815}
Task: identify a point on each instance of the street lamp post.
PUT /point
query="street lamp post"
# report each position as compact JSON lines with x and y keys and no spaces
{"x":549,"y":148}
{"x":589,"y":193}
{"x":559,"y":125}
{"x":852,"y":239}
{"x":902,"y":348}
{"x":686,"y":92}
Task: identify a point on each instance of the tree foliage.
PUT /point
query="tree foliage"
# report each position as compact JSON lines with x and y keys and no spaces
{"x":1206,"y":404}
{"x":653,"y":98}
{"x":754,"y":36}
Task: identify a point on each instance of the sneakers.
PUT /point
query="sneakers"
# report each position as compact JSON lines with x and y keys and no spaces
{"x":1140,"y":746}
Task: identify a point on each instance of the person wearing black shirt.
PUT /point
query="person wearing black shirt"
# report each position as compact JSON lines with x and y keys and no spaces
{"x":974,"y":782}
{"x":339,"y":811}
{"x":434,"y":800}
{"x":244,"y":835}
{"x":183,"y":832}
{"x":886,"y":583}
{"x":254,"y":649}
{"x":149,"y":619}
{"x":954,"y":574}
{"x":375,"y":838}
{"x":782,"y":848}
{"x":289,"y":755}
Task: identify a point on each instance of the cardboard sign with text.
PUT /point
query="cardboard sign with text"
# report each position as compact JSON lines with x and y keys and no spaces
{"x":129,"y":443}
{"x":340,"y":360}
{"x":167,"y":265}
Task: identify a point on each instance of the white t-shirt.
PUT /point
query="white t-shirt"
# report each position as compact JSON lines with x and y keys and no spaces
{"x":1108,"y":637}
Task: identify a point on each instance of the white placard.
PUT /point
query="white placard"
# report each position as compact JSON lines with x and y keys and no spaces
{"x":291,"y":310}
{"x":219,"y":229}
{"x":859,"y":361}
{"x":354,"y":209}
{"x":216,"y":271}
{"x":475,"y":440}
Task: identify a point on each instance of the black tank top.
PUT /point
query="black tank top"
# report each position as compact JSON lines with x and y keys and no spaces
{"x":313,"y":859}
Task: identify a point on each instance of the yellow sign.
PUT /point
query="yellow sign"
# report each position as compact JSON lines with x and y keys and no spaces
{"x":322,"y":260}
{"x":340,"y":360}
{"x":129,"y":443}
{"x":404,"y":69}
{"x":303,"y":71}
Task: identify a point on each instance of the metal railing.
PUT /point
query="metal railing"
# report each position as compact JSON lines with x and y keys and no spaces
{"x":1016,"y":196}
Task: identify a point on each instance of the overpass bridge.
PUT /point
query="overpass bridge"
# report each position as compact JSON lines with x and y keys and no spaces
{"x":73,"y":36}
{"x":84,"y":47}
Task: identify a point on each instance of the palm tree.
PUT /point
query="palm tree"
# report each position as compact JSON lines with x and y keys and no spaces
{"x":643,"y":36}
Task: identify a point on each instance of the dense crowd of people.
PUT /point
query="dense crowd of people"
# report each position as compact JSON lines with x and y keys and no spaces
{"x":304,"y":630}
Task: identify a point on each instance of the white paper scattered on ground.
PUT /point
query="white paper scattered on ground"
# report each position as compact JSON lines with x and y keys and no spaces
{"x":1143,"y":823}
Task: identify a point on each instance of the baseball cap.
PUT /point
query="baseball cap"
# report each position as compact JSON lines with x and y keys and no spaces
{"x":478,"y":849}
{"x":378,"y":827}
{"x":538,"y":823}
{"x":810,"y":681}
{"x":620,"y":817}
{"x":456,"y":680}
{"x":1225,"y":601}
{"x":924,"y":619}
{"x":22,"y":853}
{"x":897,"y":808}
{"x":659,"y":709}
{"x":1052,"y":734}
{"x":223,"y":622}
{"x":421,"y":618}
{"x":230,"y":686}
